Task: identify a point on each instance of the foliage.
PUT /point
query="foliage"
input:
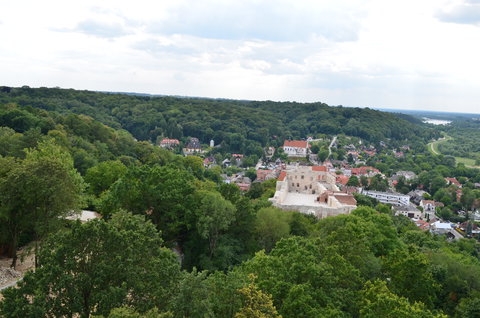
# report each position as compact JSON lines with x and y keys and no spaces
{"x":256,"y":304}
{"x":95,"y":267}
{"x":379,"y":301}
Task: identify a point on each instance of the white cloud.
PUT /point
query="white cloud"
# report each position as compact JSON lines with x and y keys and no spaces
{"x":358,"y":53}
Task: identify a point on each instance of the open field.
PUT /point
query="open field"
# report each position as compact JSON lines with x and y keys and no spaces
{"x":433,"y":148}
{"x":467,"y":162}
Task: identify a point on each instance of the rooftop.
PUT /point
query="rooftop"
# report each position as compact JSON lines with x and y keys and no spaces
{"x":295,"y":143}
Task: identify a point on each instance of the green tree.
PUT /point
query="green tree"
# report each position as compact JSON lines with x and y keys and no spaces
{"x":164,"y":193}
{"x":271,"y":225}
{"x":322,"y":155}
{"x":191,"y":297}
{"x":256,"y":304}
{"x":468,"y":307}
{"x":103,"y":175}
{"x":14,"y":215}
{"x":379,"y":301}
{"x":417,"y":285}
{"x":42,"y":188}
{"x":128,"y":312}
{"x":95,"y":267}
{"x":214,"y":215}
{"x":353,"y":181}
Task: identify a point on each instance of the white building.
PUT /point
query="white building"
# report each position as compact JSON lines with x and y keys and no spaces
{"x":410,"y":211}
{"x":388,"y":197}
{"x":440,"y":228}
{"x":408,"y":175}
{"x":296,"y":148}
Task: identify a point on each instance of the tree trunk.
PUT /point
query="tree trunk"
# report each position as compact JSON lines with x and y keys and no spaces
{"x":14,"y":249}
{"x":36,"y":251}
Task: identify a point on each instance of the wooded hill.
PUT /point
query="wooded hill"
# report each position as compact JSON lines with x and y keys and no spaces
{"x":240,"y":126}
{"x":239,"y":254}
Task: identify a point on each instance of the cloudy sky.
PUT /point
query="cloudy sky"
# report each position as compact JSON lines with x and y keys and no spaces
{"x":405,"y":54}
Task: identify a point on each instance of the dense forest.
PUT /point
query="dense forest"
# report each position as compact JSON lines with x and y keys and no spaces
{"x":239,"y":126}
{"x":175,"y":241}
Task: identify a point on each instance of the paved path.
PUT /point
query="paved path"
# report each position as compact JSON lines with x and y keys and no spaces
{"x":433,"y":143}
{"x":330,"y":147}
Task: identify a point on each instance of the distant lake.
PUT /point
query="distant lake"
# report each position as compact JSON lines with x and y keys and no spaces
{"x":436,"y":121}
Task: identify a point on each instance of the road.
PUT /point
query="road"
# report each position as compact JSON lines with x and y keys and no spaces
{"x":432,"y":148}
{"x":330,"y":147}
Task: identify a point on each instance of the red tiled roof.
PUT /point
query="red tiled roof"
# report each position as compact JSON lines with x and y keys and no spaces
{"x":342,"y":179}
{"x":319,"y":168}
{"x":346,"y":199}
{"x":168,"y":141}
{"x":364,"y":170}
{"x":295,"y":143}
{"x":428,"y":202}
{"x":453,"y":181}
{"x":282,"y":176}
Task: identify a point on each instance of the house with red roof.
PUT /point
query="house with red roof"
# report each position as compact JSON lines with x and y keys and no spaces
{"x":342,"y":179}
{"x":266,"y":174}
{"x":296,"y":148}
{"x":365,"y":171}
{"x":423,"y":225}
{"x":453,"y":181}
{"x":169,"y":143}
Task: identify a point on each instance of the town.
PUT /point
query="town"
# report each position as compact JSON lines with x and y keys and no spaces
{"x":324,"y":185}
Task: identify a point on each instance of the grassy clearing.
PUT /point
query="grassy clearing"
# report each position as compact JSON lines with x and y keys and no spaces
{"x":433,"y":148}
{"x":467,"y":162}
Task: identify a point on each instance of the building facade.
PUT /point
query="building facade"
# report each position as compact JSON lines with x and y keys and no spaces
{"x":388,"y":197}
{"x":311,"y":190}
{"x":296,"y":148}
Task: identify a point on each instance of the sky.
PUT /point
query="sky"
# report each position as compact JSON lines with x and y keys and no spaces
{"x":402,"y":54}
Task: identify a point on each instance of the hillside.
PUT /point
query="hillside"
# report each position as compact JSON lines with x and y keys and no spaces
{"x":229,"y":122}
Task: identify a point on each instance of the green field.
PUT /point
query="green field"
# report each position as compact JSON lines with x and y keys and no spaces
{"x":467,"y":162}
{"x":433,"y":148}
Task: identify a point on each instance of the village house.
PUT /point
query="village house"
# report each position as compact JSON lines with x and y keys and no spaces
{"x":398,"y":154}
{"x":193,"y":146}
{"x":427,"y":205}
{"x":417,"y":195}
{"x":350,"y":147}
{"x":342,"y":180}
{"x":440,"y":227}
{"x":408,"y":175}
{"x":269,"y":152}
{"x":296,"y":148}
{"x":410,"y":211}
{"x":453,"y":181}
{"x":169,"y":143}
{"x":311,"y":190}
{"x":422,"y":225}
{"x":266,"y":174}
{"x":209,"y":161}
{"x":365,"y":171}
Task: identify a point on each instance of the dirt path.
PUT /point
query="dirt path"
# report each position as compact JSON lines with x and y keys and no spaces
{"x":8,"y":277}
